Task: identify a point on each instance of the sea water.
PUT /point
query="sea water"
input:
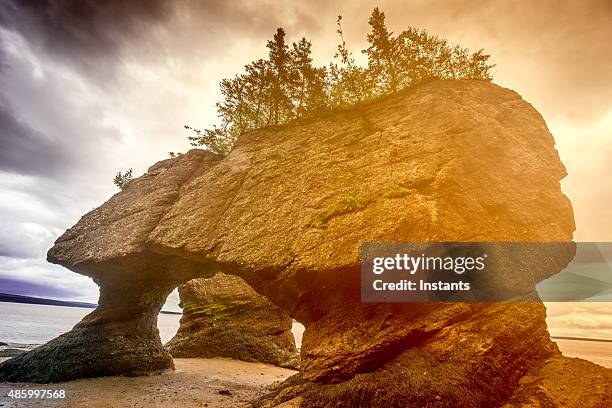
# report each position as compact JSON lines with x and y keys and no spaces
{"x":22,"y":323}
{"x":25,"y":326}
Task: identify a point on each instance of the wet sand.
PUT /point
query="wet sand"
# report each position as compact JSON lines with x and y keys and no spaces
{"x":200,"y":382}
{"x":598,"y":352}
{"x":196,"y":382}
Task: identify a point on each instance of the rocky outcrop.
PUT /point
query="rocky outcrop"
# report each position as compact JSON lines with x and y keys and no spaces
{"x":225,"y":317}
{"x":288,"y":208}
{"x":120,"y":336}
{"x":445,"y":161}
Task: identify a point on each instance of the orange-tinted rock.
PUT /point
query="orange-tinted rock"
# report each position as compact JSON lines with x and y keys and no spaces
{"x":224,"y":317}
{"x":289,"y":207}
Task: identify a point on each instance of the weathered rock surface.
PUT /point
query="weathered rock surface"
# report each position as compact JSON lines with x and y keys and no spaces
{"x":445,"y":161}
{"x":109,"y":242}
{"x":11,"y":352}
{"x":288,"y":208}
{"x":120,"y":336}
{"x":224,"y":317}
{"x":563,"y":382}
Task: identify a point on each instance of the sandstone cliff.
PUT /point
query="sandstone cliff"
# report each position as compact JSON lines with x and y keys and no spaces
{"x":225,"y":317}
{"x":287,"y":211}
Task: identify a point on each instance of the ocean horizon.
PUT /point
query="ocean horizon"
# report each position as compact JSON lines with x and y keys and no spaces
{"x":32,"y":324}
{"x":24,"y":326}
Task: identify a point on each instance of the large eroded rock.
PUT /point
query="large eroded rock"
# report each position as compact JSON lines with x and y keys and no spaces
{"x":225,"y":317}
{"x":288,"y":208}
{"x":445,"y":161}
{"x":120,"y":336}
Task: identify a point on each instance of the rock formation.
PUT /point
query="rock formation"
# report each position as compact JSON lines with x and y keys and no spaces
{"x":120,"y":336}
{"x":225,"y":317}
{"x":446,"y":161}
{"x":288,"y":208}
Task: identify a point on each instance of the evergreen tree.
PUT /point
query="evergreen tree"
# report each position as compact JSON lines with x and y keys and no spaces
{"x":282,"y":79}
{"x":287,"y":85}
{"x":308,"y":89}
{"x":382,"y":55}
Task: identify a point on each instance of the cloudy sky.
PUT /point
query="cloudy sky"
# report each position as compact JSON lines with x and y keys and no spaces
{"x":90,"y":88}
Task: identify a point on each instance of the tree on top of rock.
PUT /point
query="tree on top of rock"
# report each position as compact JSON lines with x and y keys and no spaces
{"x":383,"y":55}
{"x":282,"y":76}
{"x":348,"y":83}
{"x":121,"y":180}
{"x":307,"y":92}
{"x":287,"y":86}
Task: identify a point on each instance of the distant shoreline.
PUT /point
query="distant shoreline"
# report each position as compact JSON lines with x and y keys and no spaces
{"x":580,"y":339}
{"x":10,"y":298}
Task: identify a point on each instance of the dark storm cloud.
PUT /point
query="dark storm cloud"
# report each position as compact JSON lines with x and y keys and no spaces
{"x":564,"y":44}
{"x":26,"y":150}
{"x":3,"y":61}
{"x":256,"y":17}
{"x":95,"y":35}
{"x":88,"y":33}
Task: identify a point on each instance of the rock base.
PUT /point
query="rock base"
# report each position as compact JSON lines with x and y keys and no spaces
{"x":496,"y":355}
{"x":224,"y":317}
{"x":120,"y":337}
{"x":85,"y":353}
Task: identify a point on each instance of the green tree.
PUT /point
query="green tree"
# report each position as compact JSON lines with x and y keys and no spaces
{"x":422,"y":56}
{"x":282,"y":80}
{"x":121,"y":180}
{"x":257,"y":95}
{"x":382,"y":55}
{"x":216,"y":140}
{"x":348,"y":83}
{"x":286,"y":85}
{"x":307,"y":90}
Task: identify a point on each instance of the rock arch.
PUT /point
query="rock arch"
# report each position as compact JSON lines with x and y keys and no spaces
{"x":287,"y":210}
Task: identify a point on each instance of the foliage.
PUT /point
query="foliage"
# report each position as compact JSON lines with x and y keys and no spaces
{"x":215,"y":139}
{"x":345,"y":205}
{"x":397,"y":190}
{"x":287,"y":86}
{"x":122,"y":179}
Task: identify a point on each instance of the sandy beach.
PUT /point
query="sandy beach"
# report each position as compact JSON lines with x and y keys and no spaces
{"x":195,"y":383}
{"x":598,"y":352}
